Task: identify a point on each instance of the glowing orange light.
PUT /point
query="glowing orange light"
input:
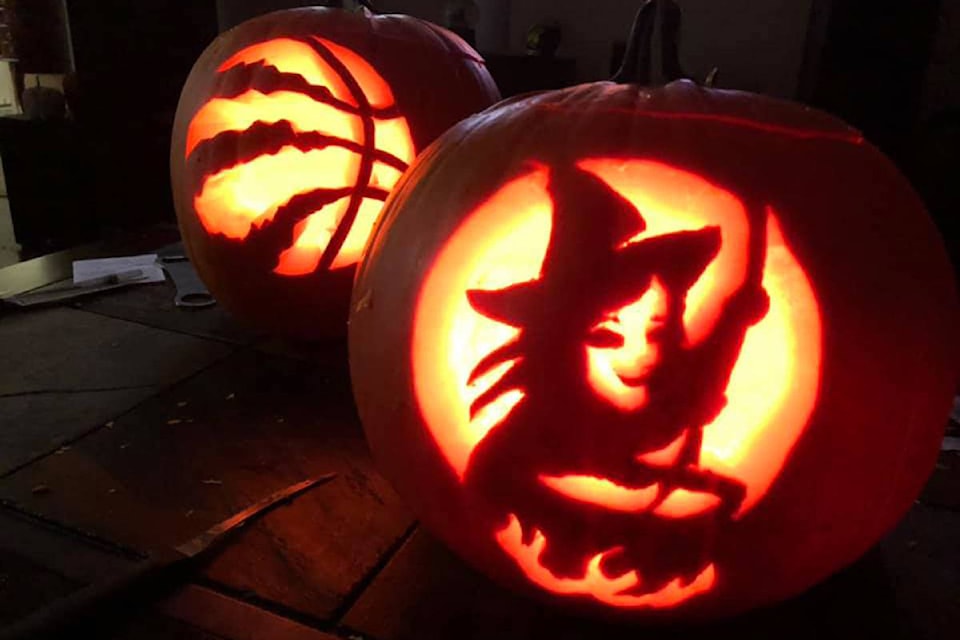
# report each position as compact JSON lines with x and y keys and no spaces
{"x":773,"y":386}
{"x":771,"y":391}
{"x":373,"y":86}
{"x":315,"y":232}
{"x":238,"y":114}
{"x":594,"y":582}
{"x":674,"y":200}
{"x":612,"y":370}
{"x":356,"y":239}
{"x":505,"y":243}
{"x":247,"y":195}
{"x":603,"y":492}
{"x":683,"y":503}
{"x":665,"y":456}
{"x":393,"y":137}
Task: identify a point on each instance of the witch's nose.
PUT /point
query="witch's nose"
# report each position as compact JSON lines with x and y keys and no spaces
{"x":656,"y":329}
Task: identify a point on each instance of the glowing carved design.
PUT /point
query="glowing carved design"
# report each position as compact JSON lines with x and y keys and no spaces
{"x":603,"y":492}
{"x":773,"y":386}
{"x":619,"y":373}
{"x":594,"y":582}
{"x":466,"y":347}
{"x":335,"y":127}
{"x":679,"y":503}
{"x":502,"y":242}
{"x":665,"y":456}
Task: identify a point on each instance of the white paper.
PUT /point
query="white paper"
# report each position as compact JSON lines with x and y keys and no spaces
{"x":84,"y":270}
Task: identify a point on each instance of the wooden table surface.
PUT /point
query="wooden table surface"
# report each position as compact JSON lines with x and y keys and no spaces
{"x":127,"y":424}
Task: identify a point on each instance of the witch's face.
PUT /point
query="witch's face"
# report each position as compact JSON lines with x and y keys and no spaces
{"x":625,"y":346}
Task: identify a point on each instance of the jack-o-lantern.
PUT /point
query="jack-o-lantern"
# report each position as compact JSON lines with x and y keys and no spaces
{"x":291,"y":130}
{"x":655,"y":352}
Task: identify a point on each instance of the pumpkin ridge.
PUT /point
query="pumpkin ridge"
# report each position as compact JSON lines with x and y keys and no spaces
{"x":448,"y":39}
{"x":855,"y":138}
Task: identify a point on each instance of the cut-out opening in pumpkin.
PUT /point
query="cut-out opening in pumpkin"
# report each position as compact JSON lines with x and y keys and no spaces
{"x":772,"y":388}
{"x":770,"y":394}
{"x":317,"y":121}
{"x":610,"y":590}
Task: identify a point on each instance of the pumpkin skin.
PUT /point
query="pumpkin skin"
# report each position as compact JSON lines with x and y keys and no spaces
{"x":290,"y":132}
{"x":796,"y":360}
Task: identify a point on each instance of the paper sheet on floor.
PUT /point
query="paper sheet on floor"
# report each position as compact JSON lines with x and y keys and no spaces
{"x":85,"y":270}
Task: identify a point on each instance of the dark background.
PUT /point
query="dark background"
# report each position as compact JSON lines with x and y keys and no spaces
{"x":890,"y":68}
{"x":210,"y":415}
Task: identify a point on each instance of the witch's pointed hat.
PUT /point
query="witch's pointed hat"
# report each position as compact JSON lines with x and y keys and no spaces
{"x":591,"y":265}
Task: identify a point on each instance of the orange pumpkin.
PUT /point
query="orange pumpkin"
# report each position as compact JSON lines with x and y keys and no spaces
{"x":655,"y":352}
{"x":291,"y":130}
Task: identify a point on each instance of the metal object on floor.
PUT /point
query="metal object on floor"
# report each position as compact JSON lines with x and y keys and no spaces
{"x":68,"y":290}
{"x":191,"y":292}
{"x":65,"y":612}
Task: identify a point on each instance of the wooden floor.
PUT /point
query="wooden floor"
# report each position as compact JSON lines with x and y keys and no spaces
{"x":127,"y":425}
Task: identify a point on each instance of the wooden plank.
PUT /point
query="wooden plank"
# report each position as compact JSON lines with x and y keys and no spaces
{"x":66,"y":372}
{"x":189,"y":457}
{"x":153,"y":305}
{"x":79,"y":559}
{"x":323,"y":350}
{"x":312,"y":556}
{"x":34,"y":425}
{"x":231,"y":618}
{"x":26,"y":586}
{"x":135,"y":624}
{"x":144,"y":625}
{"x":53,"y":562}
{"x":922,"y":559}
{"x":60,"y":348}
{"x":40,"y":564}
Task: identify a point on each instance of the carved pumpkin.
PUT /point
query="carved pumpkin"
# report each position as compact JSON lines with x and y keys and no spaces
{"x":655,"y":352}
{"x":291,"y":130}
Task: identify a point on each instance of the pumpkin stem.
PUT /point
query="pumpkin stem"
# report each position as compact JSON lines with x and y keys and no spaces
{"x":638,"y":44}
{"x":711,"y":78}
{"x":637,"y":64}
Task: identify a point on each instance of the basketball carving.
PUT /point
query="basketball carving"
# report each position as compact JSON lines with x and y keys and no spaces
{"x":314,"y":142}
{"x":291,"y":132}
